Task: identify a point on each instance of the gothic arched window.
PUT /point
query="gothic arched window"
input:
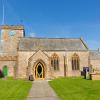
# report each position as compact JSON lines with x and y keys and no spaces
{"x":75,"y":62}
{"x":55,"y":61}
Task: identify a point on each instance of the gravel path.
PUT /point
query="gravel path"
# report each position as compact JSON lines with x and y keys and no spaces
{"x":42,"y":91}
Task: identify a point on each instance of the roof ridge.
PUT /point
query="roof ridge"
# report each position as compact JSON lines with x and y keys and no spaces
{"x":94,"y":51}
{"x":46,"y":38}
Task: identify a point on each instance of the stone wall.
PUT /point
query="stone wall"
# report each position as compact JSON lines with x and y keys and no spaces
{"x":84,"y":62}
{"x":24,"y":56}
{"x":95,"y":64}
{"x":10,"y":65}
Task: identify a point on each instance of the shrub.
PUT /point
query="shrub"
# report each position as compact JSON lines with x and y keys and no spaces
{"x":1,"y":74}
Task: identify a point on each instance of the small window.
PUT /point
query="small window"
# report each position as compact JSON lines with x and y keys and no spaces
{"x":75,"y":62}
{"x":55,"y":62}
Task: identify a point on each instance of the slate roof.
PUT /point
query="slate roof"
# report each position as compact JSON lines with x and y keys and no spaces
{"x":29,"y":44}
{"x":94,"y":55}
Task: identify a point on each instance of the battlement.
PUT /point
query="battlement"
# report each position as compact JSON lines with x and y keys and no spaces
{"x":12,"y":27}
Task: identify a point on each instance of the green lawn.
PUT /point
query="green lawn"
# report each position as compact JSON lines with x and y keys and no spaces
{"x":14,"y":89}
{"x":76,"y":89}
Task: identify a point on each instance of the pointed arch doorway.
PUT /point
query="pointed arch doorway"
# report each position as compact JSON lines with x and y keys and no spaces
{"x":39,"y":71}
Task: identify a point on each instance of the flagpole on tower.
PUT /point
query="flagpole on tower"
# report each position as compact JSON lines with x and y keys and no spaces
{"x":3,"y":15}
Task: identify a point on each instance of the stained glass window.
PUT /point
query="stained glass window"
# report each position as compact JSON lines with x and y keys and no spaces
{"x":75,"y":62}
{"x":55,"y":61}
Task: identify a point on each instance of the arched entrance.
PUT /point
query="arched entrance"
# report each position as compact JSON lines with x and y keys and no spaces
{"x":39,"y":71}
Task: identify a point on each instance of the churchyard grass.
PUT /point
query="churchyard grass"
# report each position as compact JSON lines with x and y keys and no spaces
{"x":11,"y":89}
{"x":76,"y":88}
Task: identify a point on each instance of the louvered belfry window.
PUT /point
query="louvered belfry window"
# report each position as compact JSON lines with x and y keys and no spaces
{"x":75,"y":62}
{"x":55,"y":61}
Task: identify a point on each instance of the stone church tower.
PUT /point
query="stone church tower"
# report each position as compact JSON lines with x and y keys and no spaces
{"x":9,"y":38}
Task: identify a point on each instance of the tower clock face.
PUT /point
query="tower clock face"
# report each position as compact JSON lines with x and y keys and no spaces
{"x":12,"y":33}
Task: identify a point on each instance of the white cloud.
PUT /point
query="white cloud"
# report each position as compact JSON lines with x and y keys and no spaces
{"x":93,"y":44}
{"x":32,"y":34}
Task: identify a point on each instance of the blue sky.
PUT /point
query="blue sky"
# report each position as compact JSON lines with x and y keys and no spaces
{"x":56,"y":18}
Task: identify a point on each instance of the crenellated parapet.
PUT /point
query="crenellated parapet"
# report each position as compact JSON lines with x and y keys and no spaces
{"x":12,"y":27}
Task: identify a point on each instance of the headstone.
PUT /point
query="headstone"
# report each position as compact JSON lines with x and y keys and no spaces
{"x":86,"y":72}
{"x":31,"y":78}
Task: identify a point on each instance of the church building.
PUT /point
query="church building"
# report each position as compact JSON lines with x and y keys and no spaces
{"x":43,"y":58}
